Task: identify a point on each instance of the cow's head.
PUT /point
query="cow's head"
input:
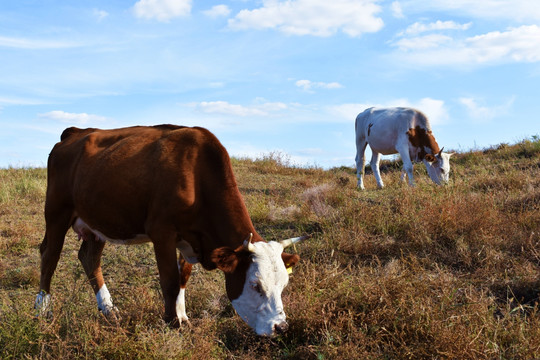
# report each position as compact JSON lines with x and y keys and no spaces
{"x":255,"y":276}
{"x":438,"y":167}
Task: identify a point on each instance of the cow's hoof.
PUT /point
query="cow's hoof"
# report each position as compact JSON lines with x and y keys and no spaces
{"x":46,"y":315}
{"x":111,"y":313}
{"x":43,"y":305}
{"x":172,"y":322}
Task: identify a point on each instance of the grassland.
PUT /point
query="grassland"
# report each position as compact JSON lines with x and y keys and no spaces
{"x":401,"y":273}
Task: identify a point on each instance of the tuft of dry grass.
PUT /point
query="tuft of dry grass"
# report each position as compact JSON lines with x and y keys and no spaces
{"x":400,"y":273}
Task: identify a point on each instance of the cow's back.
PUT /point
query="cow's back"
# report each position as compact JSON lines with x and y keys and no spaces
{"x":115,"y":178}
{"x":394,"y":119}
{"x":386,"y":129}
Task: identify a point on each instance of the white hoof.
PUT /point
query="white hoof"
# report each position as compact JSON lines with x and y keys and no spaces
{"x":110,"y":312}
{"x":43,"y":304}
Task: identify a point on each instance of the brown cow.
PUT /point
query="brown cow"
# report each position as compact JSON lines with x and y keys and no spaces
{"x":172,"y":186}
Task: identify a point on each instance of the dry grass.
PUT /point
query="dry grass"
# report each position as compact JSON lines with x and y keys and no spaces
{"x":401,"y":273}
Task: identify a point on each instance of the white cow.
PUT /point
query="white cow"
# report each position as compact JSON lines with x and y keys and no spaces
{"x":399,"y":130}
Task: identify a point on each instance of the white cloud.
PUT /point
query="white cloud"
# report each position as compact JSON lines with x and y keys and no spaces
{"x":100,"y":14}
{"x":226,"y":108}
{"x":19,"y":101}
{"x":518,"y":10}
{"x":433,"y":108}
{"x":518,"y":44}
{"x":31,"y":44}
{"x":396,"y":9}
{"x":419,"y":27}
{"x":481,"y":113}
{"x":308,"y":85}
{"x":521,"y":44}
{"x":346,"y":112}
{"x":73,"y":118}
{"x":245,"y":150}
{"x":312,"y":17}
{"x":217,"y":11}
{"x":422,"y":42}
{"x":162,"y":10}
{"x":427,"y":41}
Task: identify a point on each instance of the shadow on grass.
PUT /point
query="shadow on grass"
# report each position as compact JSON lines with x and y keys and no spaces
{"x":517,"y":294}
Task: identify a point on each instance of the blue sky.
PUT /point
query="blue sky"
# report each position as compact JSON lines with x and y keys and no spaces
{"x":267,"y":75}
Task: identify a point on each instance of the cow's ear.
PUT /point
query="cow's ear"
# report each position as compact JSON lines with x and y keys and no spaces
{"x":430,"y":158}
{"x":290,"y":259}
{"x":225,"y":258}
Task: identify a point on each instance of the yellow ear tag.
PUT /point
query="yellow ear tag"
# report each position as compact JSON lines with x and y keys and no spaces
{"x":289,"y":270}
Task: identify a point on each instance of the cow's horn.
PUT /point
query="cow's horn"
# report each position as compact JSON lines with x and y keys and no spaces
{"x":247,"y":243}
{"x":440,"y":152}
{"x":288,"y":242}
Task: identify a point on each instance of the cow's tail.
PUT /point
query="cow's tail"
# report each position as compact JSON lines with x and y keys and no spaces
{"x":355,"y":136}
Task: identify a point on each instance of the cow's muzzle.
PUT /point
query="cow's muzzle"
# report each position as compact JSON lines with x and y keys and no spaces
{"x":281,"y":328}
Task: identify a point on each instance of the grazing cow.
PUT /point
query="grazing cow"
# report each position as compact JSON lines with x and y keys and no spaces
{"x":172,"y":186}
{"x":399,"y":130}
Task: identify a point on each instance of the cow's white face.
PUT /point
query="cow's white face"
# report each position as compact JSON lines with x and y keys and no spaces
{"x":260,"y":302}
{"x":439,"y":170}
{"x":255,"y":275}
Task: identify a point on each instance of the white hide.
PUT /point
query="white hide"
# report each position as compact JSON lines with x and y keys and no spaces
{"x":104,"y":301}
{"x":439,"y":171}
{"x":385,"y":131}
{"x":43,"y":304}
{"x":81,"y":227}
{"x":260,"y":304}
{"x":181,"y":306}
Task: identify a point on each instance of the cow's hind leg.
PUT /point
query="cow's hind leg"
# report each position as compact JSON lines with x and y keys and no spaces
{"x":375,"y":160}
{"x":57,"y":224}
{"x":360,"y":151}
{"x":90,"y":257}
{"x":185,"y":271}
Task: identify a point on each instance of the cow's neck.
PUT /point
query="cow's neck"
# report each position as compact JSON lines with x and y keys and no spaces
{"x":223,"y":221}
{"x":423,"y":141}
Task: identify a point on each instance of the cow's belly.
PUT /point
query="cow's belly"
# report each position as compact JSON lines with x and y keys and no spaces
{"x":382,"y":147}
{"x":381,"y":141}
{"x":83,"y":229}
{"x":187,"y":252}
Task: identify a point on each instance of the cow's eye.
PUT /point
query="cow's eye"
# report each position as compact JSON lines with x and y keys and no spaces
{"x":257,"y":287}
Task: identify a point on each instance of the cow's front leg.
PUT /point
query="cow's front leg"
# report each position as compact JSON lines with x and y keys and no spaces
{"x":408,"y":170}
{"x":185,"y":271}
{"x":360,"y":151}
{"x":169,"y":276}
{"x":403,"y":175}
{"x":407,"y":165}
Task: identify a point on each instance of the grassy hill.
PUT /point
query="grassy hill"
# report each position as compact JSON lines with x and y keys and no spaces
{"x":401,"y":273}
